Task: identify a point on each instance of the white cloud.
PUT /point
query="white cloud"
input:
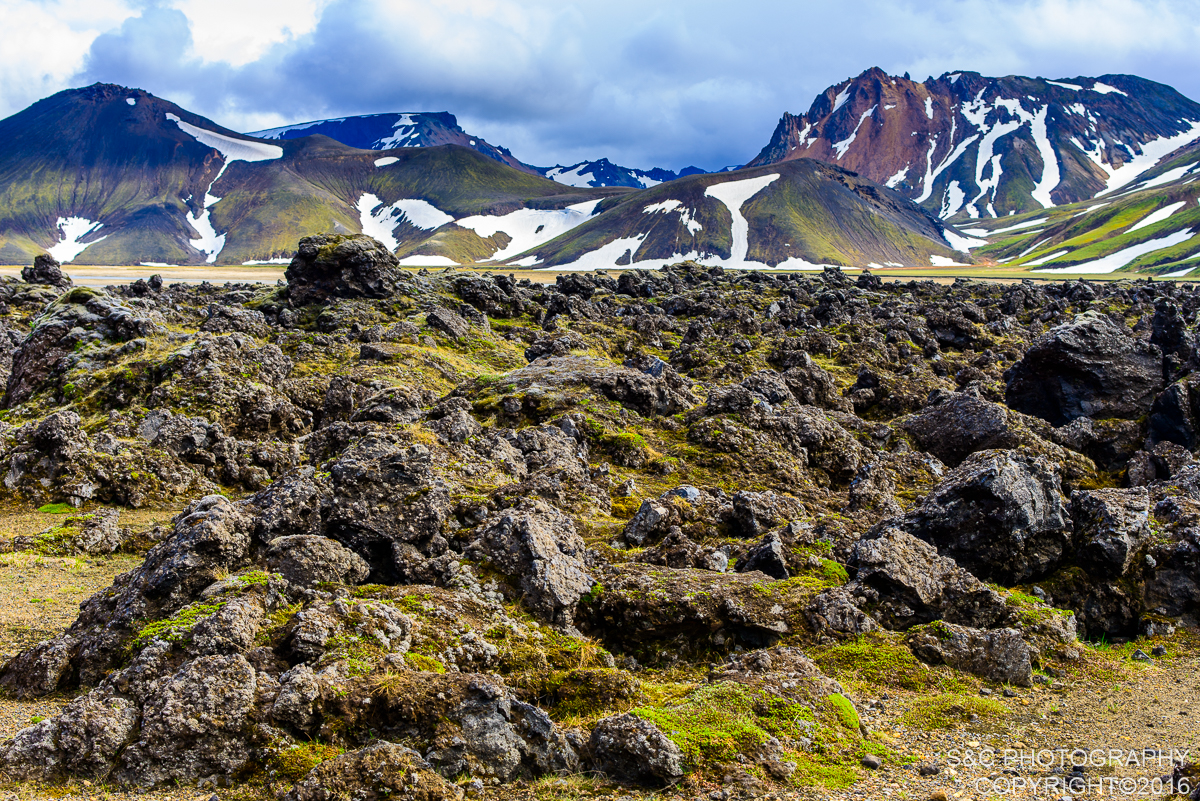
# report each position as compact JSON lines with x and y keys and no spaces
{"x":240,"y":31}
{"x":644,"y":84}
{"x":45,"y":44}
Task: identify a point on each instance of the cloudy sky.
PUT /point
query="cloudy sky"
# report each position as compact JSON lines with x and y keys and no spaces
{"x":665,"y":83}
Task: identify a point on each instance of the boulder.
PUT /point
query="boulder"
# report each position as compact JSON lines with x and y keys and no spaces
{"x":1111,"y":525}
{"x":999,"y":655}
{"x":449,"y":323}
{"x":382,"y":771}
{"x":914,"y":585}
{"x":306,"y":560}
{"x":539,"y":547}
{"x":1086,"y":368}
{"x":329,"y":266}
{"x":46,"y":270}
{"x":767,"y":557}
{"x":959,"y":426}
{"x":1000,"y":514}
{"x":629,"y":749}
{"x":1175,"y":415}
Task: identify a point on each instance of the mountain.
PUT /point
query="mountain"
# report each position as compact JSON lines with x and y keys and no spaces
{"x":798,"y":215}
{"x":605,"y":173}
{"x":389,"y":131}
{"x":429,"y":129}
{"x":110,"y":175}
{"x":966,"y":146}
{"x":1146,"y":227}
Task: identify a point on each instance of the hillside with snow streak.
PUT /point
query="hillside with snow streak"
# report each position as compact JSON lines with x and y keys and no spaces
{"x":967,"y":147}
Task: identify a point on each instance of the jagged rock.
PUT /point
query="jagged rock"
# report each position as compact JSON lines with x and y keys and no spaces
{"x":639,"y":602}
{"x":100,"y":533}
{"x":629,"y":749}
{"x":998,"y":655}
{"x":641,"y":391}
{"x":231,"y":319}
{"x":448,"y":322}
{"x":46,"y":270}
{"x":539,"y":547}
{"x":330,"y":266}
{"x":211,"y":537}
{"x":383,"y":499}
{"x":61,"y":337}
{"x":679,"y":551}
{"x":305,"y":560}
{"x":1085,"y":368}
{"x":382,"y":771}
{"x":874,"y":490}
{"x":768,"y":557}
{"x":754,"y":513}
{"x":1000,"y":514}
{"x":914,"y":585}
{"x":959,"y":426}
{"x":1110,"y":528}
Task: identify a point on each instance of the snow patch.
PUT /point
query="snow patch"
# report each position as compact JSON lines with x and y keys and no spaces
{"x":929,"y":107}
{"x":232,"y":149}
{"x":841,"y":98}
{"x":1050,"y":170}
{"x":402,"y":130}
{"x":1178,"y":273}
{"x":897,"y":179}
{"x":734,"y":195}
{"x":1115,"y":261}
{"x":952,"y":201}
{"x":386,"y":160}
{"x":73,"y":229}
{"x":844,"y":145}
{"x":131,"y":101}
{"x":943,"y":261}
{"x":529,"y":228}
{"x":428,"y":261}
{"x":1158,"y":216}
{"x":1018,"y":226}
{"x":1105,"y":89}
{"x":962,"y":243}
{"x":1045,"y":259}
{"x":674,"y":205}
{"x":571,"y":177}
{"x":1070,"y":86}
{"x":1166,"y":178}
{"x":379,"y":220}
{"x":1151,"y":153}
{"x":260,"y":262}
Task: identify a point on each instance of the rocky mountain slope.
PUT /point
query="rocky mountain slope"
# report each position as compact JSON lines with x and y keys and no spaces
{"x":390,"y":131}
{"x":1149,"y":227}
{"x":448,"y":534}
{"x":967,"y":146}
{"x":454,"y":534}
{"x":794,"y":215}
{"x":429,"y":129}
{"x":108,"y":175}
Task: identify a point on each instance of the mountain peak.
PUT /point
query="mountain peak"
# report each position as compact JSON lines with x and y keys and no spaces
{"x":967,"y":144}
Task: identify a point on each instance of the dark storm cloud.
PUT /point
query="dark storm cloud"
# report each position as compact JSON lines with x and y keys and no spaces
{"x":645,"y":84}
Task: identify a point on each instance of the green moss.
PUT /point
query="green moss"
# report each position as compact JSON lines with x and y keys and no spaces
{"x":294,"y":762}
{"x":847,"y":715}
{"x":178,"y":627}
{"x":834,"y":572}
{"x":719,"y":721}
{"x":57,"y":509}
{"x":424,"y":663}
{"x":874,"y":660}
{"x":946,"y":710}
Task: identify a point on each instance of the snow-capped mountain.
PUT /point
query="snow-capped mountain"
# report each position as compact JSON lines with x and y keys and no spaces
{"x":388,"y":131}
{"x":429,"y":129}
{"x":605,"y":173}
{"x":966,"y":145}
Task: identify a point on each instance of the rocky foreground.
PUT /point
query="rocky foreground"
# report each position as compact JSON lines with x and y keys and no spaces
{"x":445,"y":532}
